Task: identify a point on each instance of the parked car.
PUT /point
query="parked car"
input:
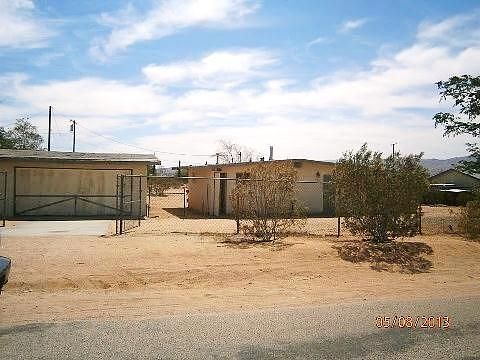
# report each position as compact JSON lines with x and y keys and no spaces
{"x":5,"y":264}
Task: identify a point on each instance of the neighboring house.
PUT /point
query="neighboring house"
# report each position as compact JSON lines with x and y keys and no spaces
{"x":67,"y":184}
{"x":210,"y":195}
{"x":453,"y":179}
{"x":451,"y":187}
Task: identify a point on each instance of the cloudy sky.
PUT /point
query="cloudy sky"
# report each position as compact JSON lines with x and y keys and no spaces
{"x":312,"y":78}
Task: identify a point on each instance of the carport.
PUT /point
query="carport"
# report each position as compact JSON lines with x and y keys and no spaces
{"x":52,"y":184}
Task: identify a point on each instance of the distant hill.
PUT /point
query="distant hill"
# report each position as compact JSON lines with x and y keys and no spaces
{"x":436,"y":166}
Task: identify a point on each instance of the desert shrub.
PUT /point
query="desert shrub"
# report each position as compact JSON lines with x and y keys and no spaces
{"x":379,"y":198}
{"x":159,"y":185}
{"x":469,"y":220}
{"x":265,"y":203}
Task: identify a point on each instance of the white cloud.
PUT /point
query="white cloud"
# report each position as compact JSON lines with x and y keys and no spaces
{"x":350,"y":25}
{"x":318,"y":40}
{"x":460,"y":30}
{"x":228,"y":68}
{"x":19,"y":28}
{"x":391,"y":100}
{"x":166,"y":18}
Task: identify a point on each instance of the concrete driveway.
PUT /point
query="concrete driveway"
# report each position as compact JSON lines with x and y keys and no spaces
{"x":45,"y":228}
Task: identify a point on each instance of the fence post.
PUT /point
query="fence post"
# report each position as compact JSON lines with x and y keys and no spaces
{"x":4,"y":198}
{"x":420,"y":219}
{"x":139,"y":200}
{"x":121,"y":204}
{"x":116,"y":211}
{"x":184,"y":201}
{"x":149,"y":196}
{"x":237,"y":212}
{"x":338,"y":227}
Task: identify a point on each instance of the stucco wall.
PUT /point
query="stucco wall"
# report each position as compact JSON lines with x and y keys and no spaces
{"x":204,"y":194}
{"x":29,"y":178}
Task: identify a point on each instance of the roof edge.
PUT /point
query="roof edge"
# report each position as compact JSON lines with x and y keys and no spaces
{"x":320,"y":162}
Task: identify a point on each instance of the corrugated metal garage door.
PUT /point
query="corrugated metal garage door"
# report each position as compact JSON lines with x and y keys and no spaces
{"x":62,"y":192}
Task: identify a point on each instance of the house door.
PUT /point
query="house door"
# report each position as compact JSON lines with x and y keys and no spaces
{"x":222,"y":209}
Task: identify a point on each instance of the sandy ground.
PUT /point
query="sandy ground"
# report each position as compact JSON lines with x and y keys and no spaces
{"x":137,"y":276}
{"x":168,"y":216}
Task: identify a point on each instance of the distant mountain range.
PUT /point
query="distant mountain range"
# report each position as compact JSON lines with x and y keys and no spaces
{"x":435,"y":166}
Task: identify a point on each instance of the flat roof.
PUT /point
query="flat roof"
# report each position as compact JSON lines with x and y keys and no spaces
{"x":262,"y":162}
{"x":76,"y":156}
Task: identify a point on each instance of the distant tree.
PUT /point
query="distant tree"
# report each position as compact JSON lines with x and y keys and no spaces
{"x":5,"y":141}
{"x":230,"y":152}
{"x":264,"y":200}
{"x":23,"y":136}
{"x":379,"y":198}
{"x":464,"y":92}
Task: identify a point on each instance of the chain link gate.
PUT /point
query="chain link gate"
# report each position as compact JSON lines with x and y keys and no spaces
{"x":131,"y":206}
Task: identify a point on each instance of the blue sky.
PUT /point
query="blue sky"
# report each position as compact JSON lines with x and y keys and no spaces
{"x":311,"y":78}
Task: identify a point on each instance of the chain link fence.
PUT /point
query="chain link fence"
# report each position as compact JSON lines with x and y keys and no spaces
{"x":204,"y":205}
{"x":196,"y":205}
{"x":440,"y":220}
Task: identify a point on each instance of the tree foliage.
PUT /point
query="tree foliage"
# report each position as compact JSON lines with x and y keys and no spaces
{"x":464,"y":92}
{"x":23,"y":136}
{"x":379,"y":198}
{"x":265,"y":202}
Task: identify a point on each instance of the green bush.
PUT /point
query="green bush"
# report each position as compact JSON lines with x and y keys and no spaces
{"x":379,"y":198}
{"x":469,"y":222}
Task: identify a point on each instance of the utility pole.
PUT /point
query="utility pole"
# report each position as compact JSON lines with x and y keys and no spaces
{"x":393,"y":149}
{"x":73,"y":129}
{"x":49,"y":126}
{"x":179,"y":173}
{"x":217,"y":157}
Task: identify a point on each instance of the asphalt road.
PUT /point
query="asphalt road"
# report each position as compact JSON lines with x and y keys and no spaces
{"x":326,"y":332}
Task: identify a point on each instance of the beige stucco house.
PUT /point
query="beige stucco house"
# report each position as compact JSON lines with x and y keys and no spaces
{"x":210,"y":195}
{"x":68,"y":184}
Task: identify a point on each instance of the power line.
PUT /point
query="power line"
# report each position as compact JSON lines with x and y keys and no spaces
{"x":142,"y":148}
{"x":118,"y":141}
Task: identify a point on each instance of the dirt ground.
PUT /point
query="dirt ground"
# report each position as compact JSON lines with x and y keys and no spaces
{"x":140,"y":276}
{"x":168,"y":216}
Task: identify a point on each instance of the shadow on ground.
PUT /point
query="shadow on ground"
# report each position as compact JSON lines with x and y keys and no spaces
{"x":181,"y":213}
{"x":403,"y":257}
{"x":245,"y":242}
